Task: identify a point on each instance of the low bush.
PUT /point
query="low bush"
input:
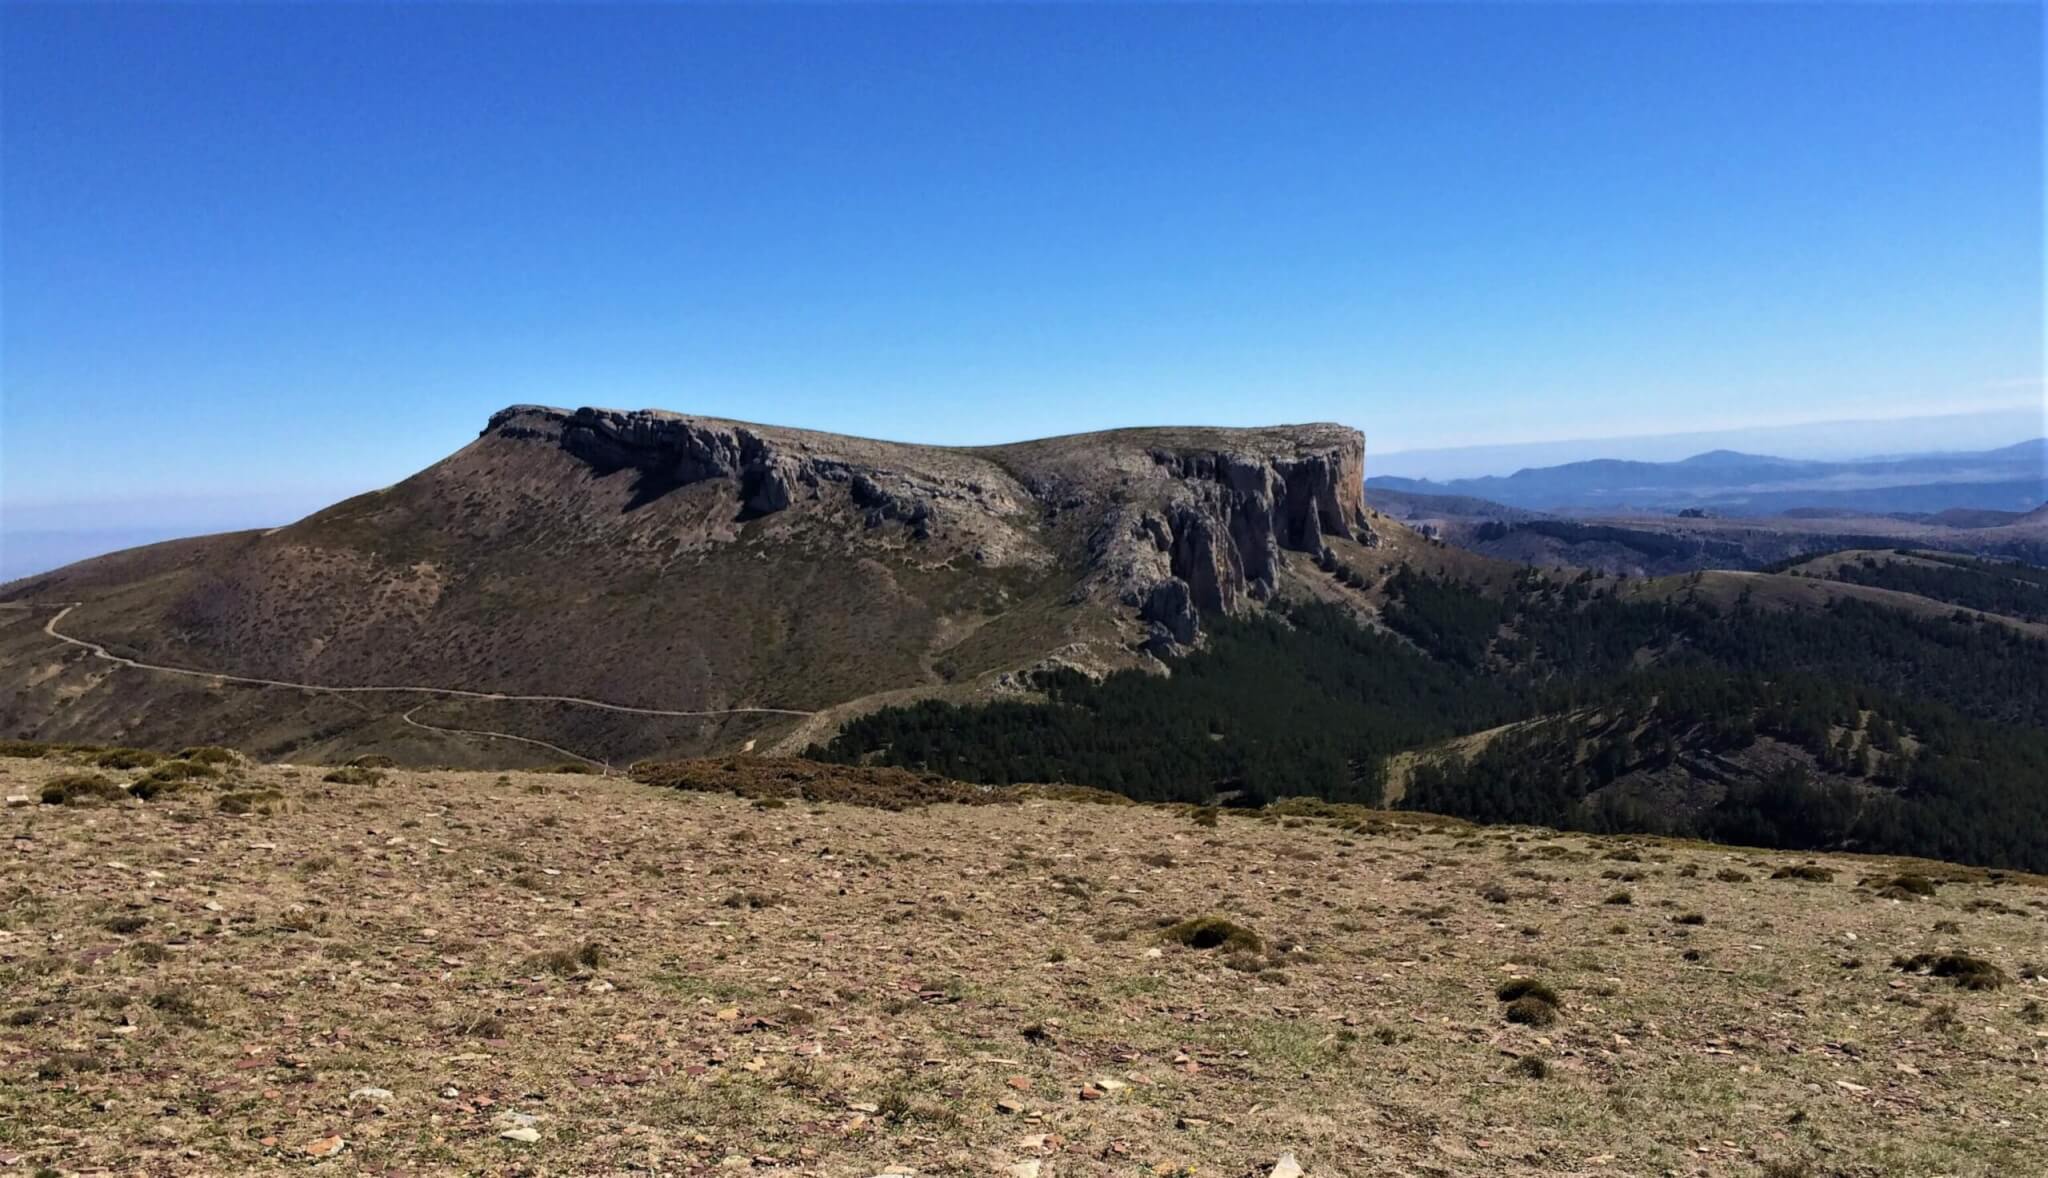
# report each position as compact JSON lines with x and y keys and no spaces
{"x":79,"y":789}
{"x":1968,"y":973}
{"x":1515,"y":988}
{"x":1807,"y":872}
{"x":565,"y":962}
{"x":125,"y":758}
{"x":812,"y":781}
{"x":211,"y":754}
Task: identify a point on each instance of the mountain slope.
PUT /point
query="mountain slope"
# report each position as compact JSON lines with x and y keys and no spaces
{"x":669,"y":563}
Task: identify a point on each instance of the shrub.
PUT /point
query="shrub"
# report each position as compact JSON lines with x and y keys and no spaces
{"x":1620,"y":898}
{"x":1531,"y":1066}
{"x":66,"y":1062}
{"x":1515,"y":988}
{"x":1692,"y":918}
{"x":1205,"y":816}
{"x":1531,"y":1011}
{"x":751,"y":899}
{"x":564,"y":962}
{"x":180,"y":770}
{"x":177,"y":1004}
{"x":1730,"y":875}
{"x":573,"y":767}
{"x":1213,"y":932}
{"x":1969,"y":973}
{"x":353,"y":774}
{"x":1156,"y":859}
{"x":78,"y":789}
{"x":127,"y":922}
{"x":1808,"y":872}
{"x":1913,"y":884}
{"x":211,"y":754}
{"x":372,"y":761}
{"x":794,"y":779}
{"x":125,"y":758}
{"x":263,"y":801}
{"x":26,"y":748}
{"x":1494,"y":894}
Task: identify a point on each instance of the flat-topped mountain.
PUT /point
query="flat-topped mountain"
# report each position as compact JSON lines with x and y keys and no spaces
{"x":666,"y":563}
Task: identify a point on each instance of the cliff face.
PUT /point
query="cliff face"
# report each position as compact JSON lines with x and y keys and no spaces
{"x":1185,"y":520}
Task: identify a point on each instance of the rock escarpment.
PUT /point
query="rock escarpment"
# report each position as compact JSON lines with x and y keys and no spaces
{"x":1224,"y":535}
{"x":1166,"y":524}
{"x":771,"y":469}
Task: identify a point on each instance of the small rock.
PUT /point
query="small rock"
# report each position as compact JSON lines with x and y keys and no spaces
{"x":525,"y":1134}
{"x":325,"y":1147}
{"x":1286,"y":1167}
{"x":373,"y":1095}
{"x":14,"y":800}
{"x":1025,"y":1169}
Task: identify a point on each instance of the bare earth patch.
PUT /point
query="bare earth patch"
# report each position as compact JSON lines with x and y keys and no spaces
{"x":462,"y":972}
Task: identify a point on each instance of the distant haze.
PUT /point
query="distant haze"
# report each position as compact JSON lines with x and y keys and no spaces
{"x":37,"y":537}
{"x":1826,"y":441}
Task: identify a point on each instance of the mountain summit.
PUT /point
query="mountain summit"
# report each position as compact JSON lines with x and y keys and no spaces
{"x":603,"y":572}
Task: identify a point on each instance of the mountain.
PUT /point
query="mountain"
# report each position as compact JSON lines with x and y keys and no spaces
{"x":1179,"y":614}
{"x":649,"y":582}
{"x":2012,"y":478}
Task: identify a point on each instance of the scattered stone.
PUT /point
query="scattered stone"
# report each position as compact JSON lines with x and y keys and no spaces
{"x":524,"y":1134}
{"x":373,"y":1095}
{"x":1286,"y":1167}
{"x":325,"y":1147}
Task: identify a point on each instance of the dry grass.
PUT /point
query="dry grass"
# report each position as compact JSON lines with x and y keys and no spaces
{"x":194,"y":991}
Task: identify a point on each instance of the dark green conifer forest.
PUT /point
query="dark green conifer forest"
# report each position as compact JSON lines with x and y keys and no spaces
{"x":1920,"y":735}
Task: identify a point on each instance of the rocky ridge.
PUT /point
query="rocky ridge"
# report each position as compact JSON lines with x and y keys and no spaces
{"x":1173,"y":522}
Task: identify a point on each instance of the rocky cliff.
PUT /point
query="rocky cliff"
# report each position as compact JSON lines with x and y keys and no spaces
{"x":1184,"y":520}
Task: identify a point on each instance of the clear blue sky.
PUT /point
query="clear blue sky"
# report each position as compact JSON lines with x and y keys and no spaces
{"x":270,"y":254}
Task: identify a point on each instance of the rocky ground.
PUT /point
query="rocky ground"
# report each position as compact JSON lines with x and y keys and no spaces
{"x":463,"y":972}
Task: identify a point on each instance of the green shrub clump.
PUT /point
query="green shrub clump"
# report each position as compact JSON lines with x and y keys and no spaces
{"x":79,"y":789}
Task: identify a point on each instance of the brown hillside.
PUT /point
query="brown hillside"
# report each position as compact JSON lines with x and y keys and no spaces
{"x":666,"y":563}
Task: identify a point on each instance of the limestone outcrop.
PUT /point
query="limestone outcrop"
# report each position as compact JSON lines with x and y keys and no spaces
{"x":1170,"y":524}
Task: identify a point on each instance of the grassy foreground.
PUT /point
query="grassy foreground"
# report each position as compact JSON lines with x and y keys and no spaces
{"x":459,"y":972}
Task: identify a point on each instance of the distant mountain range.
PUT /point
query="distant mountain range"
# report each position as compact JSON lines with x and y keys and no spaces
{"x":1728,"y":482}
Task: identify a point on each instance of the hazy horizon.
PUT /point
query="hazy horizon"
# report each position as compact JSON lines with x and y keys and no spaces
{"x":36,"y":537}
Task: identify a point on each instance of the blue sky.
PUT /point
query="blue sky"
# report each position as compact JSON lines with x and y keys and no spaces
{"x":256,"y":257}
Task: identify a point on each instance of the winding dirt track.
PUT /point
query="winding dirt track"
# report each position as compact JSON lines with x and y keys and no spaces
{"x":50,"y":628}
{"x":422,"y":724}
